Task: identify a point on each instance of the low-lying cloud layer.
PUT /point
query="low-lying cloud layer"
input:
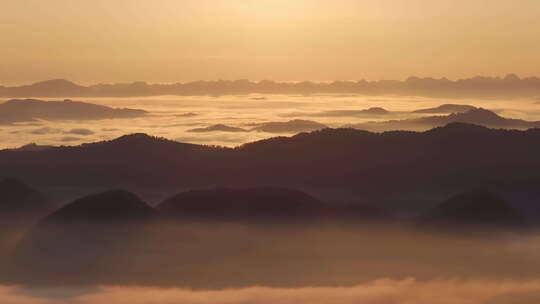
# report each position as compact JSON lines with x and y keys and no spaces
{"x":173,"y":117}
{"x":384,"y":291}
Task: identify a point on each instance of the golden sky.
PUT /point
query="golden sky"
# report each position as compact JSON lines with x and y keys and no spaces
{"x":183,"y":40}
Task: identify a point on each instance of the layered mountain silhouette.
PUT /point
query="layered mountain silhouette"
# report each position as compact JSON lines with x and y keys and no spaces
{"x":374,"y":111}
{"x":291,"y":126}
{"x":218,"y":128}
{"x":446,"y":108}
{"x":48,"y":88}
{"x":510,"y":86}
{"x":20,"y":110}
{"x":20,"y":200}
{"x":194,"y":239}
{"x":33,"y":147}
{"x":348,"y":163}
{"x":262,"y":204}
{"x":115,"y":205}
{"x":476,"y":116}
{"x":472,"y":210}
{"x":253,"y":204}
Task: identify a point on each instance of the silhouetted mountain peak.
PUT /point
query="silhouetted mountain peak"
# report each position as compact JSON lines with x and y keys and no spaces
{"x":241,"y":204}
{"x":18,"y":197}
{"x":291,"y":126}
{"x":480,"y":115}
{"x":19,"y":110}
{"x":136,"y":137}
{"x":56,"y":83}
{"x":376,"y":110}
{"x":139,"y":139}
{"x":218,"y":128}
{"x":447,"y":108}
{"x":14,"y":187}
{"x":476,"y":208}
{"x":117,"y":205}
{"x":33,"y":147}
{"x":458,"y":128}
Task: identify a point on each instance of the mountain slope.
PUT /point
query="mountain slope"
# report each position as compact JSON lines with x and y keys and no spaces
{"x":344,"y":163}
{"x":446,"y":108}
{"x":93,"y":235}
{"x":476,"y":116}
{"x":19,"y":110}
{"x":474,"y":209}
{"x":19,"y":199}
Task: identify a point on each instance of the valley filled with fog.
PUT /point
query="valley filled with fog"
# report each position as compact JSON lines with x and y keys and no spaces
{"x":232,"y":120}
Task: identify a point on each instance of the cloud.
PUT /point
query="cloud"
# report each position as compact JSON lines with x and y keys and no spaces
{"x":70,"y":139}
{"x":371,"y":112}
{"x":80,"y":132}
{"x":45,"y":130}
{"x":384,"y":291}
{"x":49,"y":130}
{"x":190,"y":114}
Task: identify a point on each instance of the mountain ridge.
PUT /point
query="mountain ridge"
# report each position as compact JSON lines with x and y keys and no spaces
{"x":510,"y":86}
{"x":327,"y":163}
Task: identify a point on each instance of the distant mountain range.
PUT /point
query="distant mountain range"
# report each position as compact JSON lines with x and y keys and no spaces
{"x":291,"y":126}
{"x":506,"y":87}
{"x":20,"y":110}
{"x":330,"y":163}
{"x":373,"y":111}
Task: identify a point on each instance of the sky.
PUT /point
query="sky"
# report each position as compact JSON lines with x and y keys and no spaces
{"x":186,"y":40}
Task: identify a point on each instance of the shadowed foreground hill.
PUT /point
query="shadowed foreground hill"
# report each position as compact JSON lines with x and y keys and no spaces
{"x":90,"y":236}
{"x":391,"y":167}
{"x":261,"y":205}
{"x":115,"y":238}
{"x":470,"y":210}
{"x":20,"y":200}
{"x":115,"y":205}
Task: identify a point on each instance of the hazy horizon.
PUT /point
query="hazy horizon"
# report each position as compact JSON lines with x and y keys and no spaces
{"x":166,"y":41}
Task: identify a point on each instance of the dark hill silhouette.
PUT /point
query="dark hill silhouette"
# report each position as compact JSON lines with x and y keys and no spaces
{"x":476,"y":116}
{"x":252,"y":204}
{"x":447,"y":108}
{"x":218,"y":128}
{"x":18,"y":110}
{"x":263,"y":204}
{"x":474,"y":209}
{"x":116,"y":205}
{"x":33,"y":147}
{"x":346,"y":163}
{"x":478,"y":87}
{"x":292,"y":126}
{"x":18,"y":199}
{"x":92,"y":236}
